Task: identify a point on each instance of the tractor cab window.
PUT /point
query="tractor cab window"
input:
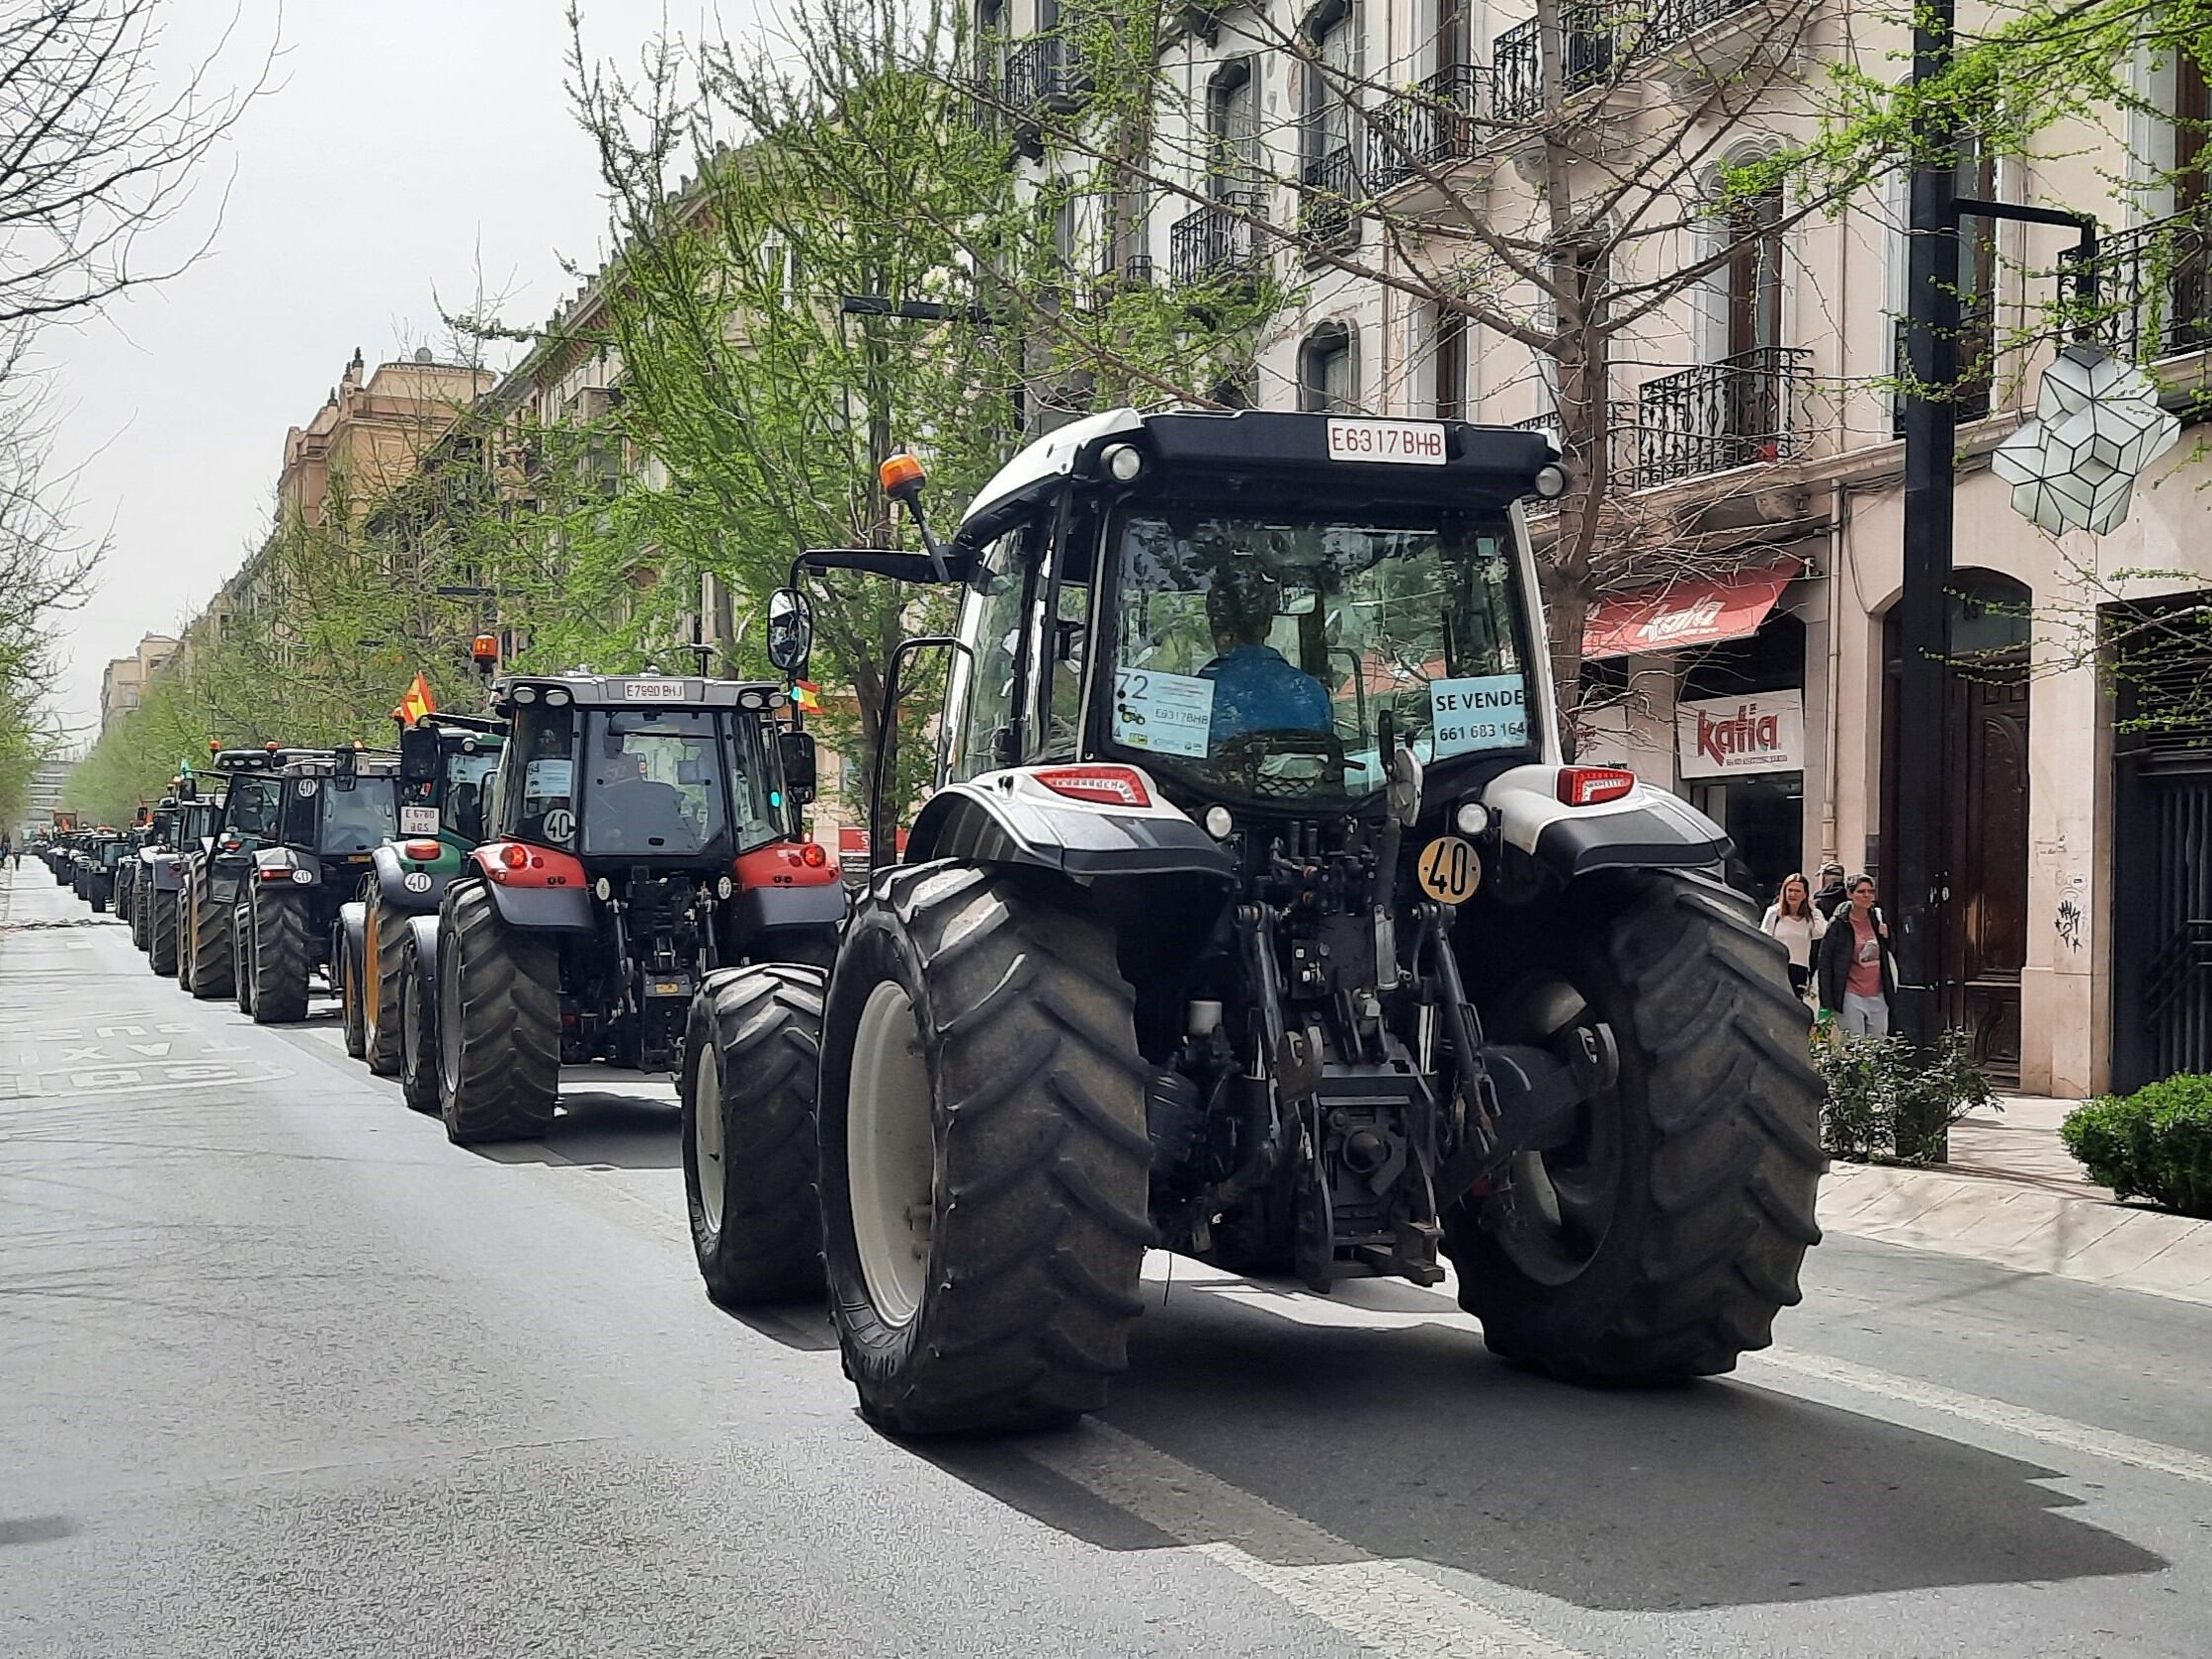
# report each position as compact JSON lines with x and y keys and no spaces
{"x":296,"y":811}
{"x":1066,"y":640}
{"x":990,"y":627}
{"x":536,"y":792}
{"x":467,"y":778}
{"x":653,"y":784}
{"x":357,"y":820}
{"x":755,"y":787}
{"x":1257,"y":655}
{"x":251,"y":814}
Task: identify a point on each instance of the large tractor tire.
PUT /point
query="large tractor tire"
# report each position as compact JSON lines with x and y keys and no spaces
{"x":1660,"y":1241}
{"x":278,"y":957}
{"x":134,"y":911}
{"x":351,"y":1016}
{"x":498,"y":1022}
{"x":983,"y":1156}
{"x":748,"y":1086}
{"x":418,"y":1029}
{"x":211,"y":969}
{"x":183,"y":899}
{"x":161,"y":932}
{"x":385,"y":931}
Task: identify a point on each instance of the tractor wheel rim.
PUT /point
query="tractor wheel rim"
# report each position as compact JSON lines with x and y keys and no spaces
{"x":705,"y":1137}
{"x":890,"y":1154}
{"x":1554,"y":1211}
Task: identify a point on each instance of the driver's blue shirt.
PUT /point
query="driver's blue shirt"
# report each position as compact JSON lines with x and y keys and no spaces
{"x":1256,"y":689}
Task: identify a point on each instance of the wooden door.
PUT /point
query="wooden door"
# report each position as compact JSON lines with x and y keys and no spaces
{"x":1985,"y":925}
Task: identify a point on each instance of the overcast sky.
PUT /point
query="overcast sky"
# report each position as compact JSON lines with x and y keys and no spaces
{"x":403,"y":144}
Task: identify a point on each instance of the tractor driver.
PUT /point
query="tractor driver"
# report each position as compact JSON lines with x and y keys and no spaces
{"x":1256,"y":687}
{"x":627,"y":812}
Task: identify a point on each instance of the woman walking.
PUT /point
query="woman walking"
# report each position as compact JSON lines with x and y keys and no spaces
{"x":1792,"y":920}
{"x":1854,"y":972}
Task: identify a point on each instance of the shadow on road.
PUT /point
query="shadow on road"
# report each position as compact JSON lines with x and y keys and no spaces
{"x":600,"y":1130}
{"x":1415,"y":1444}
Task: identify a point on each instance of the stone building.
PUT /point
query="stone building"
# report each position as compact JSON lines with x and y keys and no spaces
{"x":124,"y":681}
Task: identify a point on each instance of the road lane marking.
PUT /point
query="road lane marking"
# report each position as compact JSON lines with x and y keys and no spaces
{"x":2058,"y":1432}
{"x":1382,"y":1605}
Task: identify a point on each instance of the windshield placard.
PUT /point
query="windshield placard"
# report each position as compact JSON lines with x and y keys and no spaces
{"x":1482,"y":712}
{"x":1171,"y":714}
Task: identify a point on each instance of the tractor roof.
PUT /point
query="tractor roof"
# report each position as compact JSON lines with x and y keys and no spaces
{"x":1495,"y":460}
{"x":259,"y":759}
{"x":321,"y":763}
{"x":635,"y":691}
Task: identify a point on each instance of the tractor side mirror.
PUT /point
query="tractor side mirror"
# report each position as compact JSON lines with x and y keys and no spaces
{"x":797,"y":752}
{"x":419,"y":758}
{"x":791,"y":630}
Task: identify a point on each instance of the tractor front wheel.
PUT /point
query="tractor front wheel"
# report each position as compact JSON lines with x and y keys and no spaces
{"x":498,"y":1022}
{"x":1660,"y":1240}
{"x":385,"y":938}
{"x":351,"y":1014}
{"x":161,"y":932}
{"x":211,"y":968}
{"x":748,"y":1086}
{"x":418,"y":1029}
{"x":984,"y":1155}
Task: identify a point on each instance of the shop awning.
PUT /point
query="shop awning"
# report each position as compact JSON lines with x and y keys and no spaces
{"x":1695,"y":611}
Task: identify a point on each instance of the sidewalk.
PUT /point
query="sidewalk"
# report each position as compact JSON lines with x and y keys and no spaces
{"x":2014,"y":1195}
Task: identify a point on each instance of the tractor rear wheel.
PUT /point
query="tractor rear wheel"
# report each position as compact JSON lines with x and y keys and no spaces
{"x":418,"y":1029}
{"x":748,"y":1086}
{"x":1658,"y":1244}
{"x":161,"y":932}
{"x":135,"y":914}
{"x":211,"y":968}
{"x":984,"y":1155}
{"x":385,"y":931}
{"x":498,"y":1022}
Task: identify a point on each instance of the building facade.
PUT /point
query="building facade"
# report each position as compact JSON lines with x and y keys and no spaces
{"x":124,"y":681}
{"x":1371,"y":153}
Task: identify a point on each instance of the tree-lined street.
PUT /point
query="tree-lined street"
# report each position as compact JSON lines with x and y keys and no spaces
{"x":286,"y":1372}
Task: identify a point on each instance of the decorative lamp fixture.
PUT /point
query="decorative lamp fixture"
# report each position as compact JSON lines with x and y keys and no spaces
{"x":2098,"y":428}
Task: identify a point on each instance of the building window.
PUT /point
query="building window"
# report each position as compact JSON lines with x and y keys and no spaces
{"x":1448,"y":364}
{"x":1328,"y":372}
{"x":1233,"y":128}
{"x":1753,"y":274}
{"x":1329,"y":77}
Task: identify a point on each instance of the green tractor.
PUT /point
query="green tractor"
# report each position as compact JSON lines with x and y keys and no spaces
{"x":446,"y":768}
{"x":1257,"y":916}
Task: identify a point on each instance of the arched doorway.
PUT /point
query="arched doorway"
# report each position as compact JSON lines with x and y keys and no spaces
{"x":1982,"y":927}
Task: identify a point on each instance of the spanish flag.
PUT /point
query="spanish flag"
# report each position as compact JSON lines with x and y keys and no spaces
{"x":416,"y":704}
{"x":807,"y":695}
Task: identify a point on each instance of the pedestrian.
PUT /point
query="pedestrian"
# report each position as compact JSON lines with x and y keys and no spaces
{"x":1831,"y":895}
{"x":1792,"y":920}
{"x":1853,"y":970}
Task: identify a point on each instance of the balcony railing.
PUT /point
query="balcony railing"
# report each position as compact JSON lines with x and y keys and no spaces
{"x":1619,"y":440}
{"x":1674,"y":20}
{"x":1329,"y":186}
{"x":1118,"y":276}
{"x":1217,"y":240}
{"x":1433,"y":125}
{"x":1738,"y":411}
{"x":1044,"y":72}
{"x":1590,"y":41}
{"x":1969,"y":400}
{"x":2155,"y":288}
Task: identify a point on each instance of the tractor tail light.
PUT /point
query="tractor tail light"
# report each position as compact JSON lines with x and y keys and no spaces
{"x":1103,"y":786}
{"x":421,"y":851}
{"x":812,"y":857}
{"x":1586,"y":786}
{"x":514,"y":855}
{"x":274,"y":872}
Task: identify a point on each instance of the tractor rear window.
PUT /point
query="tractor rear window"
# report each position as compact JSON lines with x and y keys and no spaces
{"x":654,"y":784}
{"x":360,"y":819}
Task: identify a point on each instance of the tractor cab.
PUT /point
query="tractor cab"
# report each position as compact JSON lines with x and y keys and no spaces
{"x":445,"y":766}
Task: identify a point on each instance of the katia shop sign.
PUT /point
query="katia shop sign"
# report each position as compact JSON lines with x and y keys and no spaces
{"x":1720,"y":736}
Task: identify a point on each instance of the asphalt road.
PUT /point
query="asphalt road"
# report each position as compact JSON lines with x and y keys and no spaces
{"x":283,"y":1372}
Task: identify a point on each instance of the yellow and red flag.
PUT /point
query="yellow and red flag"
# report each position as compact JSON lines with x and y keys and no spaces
{"x":807,"y":695}
{"x":416,"y":704}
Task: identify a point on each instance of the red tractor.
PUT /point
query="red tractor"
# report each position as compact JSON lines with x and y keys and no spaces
{"x":643,"y":831}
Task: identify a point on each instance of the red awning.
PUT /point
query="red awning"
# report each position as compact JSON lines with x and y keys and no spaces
{"x":1691,"y":612}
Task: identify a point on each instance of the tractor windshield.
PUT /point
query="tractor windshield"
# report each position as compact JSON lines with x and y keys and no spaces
{"x":359,"y":818}
{"x":468,"y":779}
{"x":1255,"y":655}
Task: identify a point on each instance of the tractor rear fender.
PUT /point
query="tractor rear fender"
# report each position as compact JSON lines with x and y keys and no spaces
{"x":1014,"y":818}
{"x":393,"y":873}
{"x":268,"y":860}
{"x":759,"y":910}
{"x":546,"y":891}
{"x":168,"y":871}
{"x":352,"y":930}
{"x":1645,"y":829}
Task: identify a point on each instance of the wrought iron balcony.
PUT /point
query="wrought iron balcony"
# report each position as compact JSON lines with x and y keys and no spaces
{"x":1329,"y":187}
{"x":2155,"y":288}
{"x":1674,"y":20}
{"x":1118,"y":275}
{"x":1588,"y":41}
{"x":1969,"y":400}
{"x":1433,"y":125}
{"x":1619,"y":440}
{"x":1217,"y":240}
{"x":1046,"y":73}
{"x":1739,"y":411}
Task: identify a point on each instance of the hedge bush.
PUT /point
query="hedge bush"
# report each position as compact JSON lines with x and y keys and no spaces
{"x":1879,"y":1089}
{"x":2154,"y":1144}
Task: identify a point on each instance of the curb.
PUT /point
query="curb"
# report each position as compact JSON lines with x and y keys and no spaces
{"x":2025,"y":1228}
